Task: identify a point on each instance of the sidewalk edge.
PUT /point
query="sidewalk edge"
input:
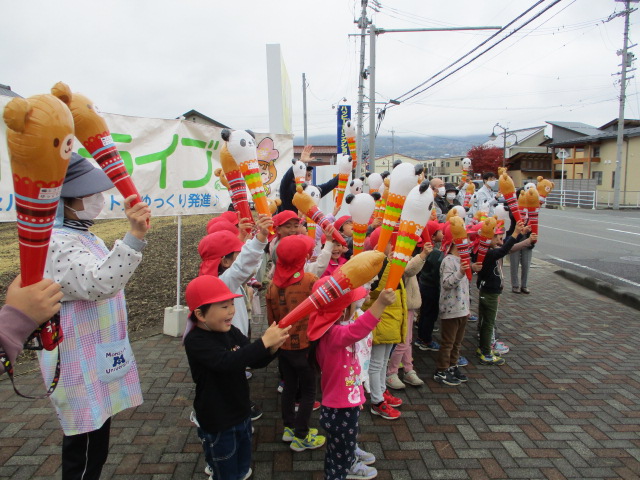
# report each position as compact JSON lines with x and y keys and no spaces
{"x":624,"y":296}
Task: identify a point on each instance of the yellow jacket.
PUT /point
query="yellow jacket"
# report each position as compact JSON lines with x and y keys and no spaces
{"x":392,"y":327}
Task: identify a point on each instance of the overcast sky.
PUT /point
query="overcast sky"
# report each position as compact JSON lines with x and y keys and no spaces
{"x":162,"y":58}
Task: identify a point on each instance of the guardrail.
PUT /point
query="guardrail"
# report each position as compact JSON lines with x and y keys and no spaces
{"x":573,"y":198}
{"x":628,"y":199}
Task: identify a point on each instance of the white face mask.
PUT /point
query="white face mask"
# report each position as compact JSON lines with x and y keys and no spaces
{"x":93,"y":205}
{"x":451,"y":196}
{"x":441,"y":191}
{"x":491,"y":183}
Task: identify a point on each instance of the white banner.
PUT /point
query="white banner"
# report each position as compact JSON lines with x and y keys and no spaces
{"x":171,"y":163}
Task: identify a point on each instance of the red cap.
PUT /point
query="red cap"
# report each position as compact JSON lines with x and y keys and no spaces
{"x":231,"y":217}
{"x":283,"y":217}
{"x":428,"y":232}
{"x":447,"y":238}
{"x":207,"y":289}
{"x":341,"y":221}
{"x":375,"y":236}
{"x":321,"y":320}
{"x":291,"y":257}
{"x":220,"y":224}
{"x":215,"y":246}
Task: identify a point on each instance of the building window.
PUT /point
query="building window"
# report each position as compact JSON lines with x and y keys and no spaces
{"x":448,"y":164}
{"x":597,"y":176}
{"x":596,"y":152}
{"x":457,"y":163}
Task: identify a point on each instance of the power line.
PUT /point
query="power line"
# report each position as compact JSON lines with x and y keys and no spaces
{"x":473,"y":50}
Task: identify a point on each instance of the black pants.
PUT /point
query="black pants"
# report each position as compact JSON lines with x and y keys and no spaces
{"x":341,"y":425}
{"x":428,"y":312}
{"x":298,"y":375}
{"x":84,"y":455}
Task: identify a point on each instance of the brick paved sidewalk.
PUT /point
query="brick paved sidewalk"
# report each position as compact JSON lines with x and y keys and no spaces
{"x":566,"y":405}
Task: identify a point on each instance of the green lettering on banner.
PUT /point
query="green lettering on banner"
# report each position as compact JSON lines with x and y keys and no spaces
{"x":192,"y":142}
{"x":162,"y":158}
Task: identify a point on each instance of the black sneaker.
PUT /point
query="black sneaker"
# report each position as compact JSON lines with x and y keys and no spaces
{"x":446,"y":377}
{"x":256,"y":413}
{"x":457,"y":373}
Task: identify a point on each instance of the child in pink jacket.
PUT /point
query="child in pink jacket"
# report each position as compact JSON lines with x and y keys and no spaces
{"x":342,"y":391}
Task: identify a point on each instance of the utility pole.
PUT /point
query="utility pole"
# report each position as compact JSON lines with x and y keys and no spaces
{"x":363,"y":22}
{"x":626,"y":64}
{"x":393,"y":146}
{"x":372,"y":98}
{"x":304,"y":105}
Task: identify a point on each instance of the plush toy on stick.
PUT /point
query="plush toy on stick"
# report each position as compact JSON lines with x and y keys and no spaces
{"x":353,"y":274}
{"x":40,"y":142}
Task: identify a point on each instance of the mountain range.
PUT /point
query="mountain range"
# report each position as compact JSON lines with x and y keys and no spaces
{"x":419,"y":147}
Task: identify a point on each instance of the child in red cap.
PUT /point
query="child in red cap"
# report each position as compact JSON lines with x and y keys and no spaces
{"x":391,"y":330}
{"x":218,"y":355}
{"x":343,"y":394}
{"x":344,"y":225}
{"x":429,"y":282}
{"x":290,"y":286}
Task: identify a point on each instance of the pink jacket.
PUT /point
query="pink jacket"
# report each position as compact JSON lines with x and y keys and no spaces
{"x":341,"y":382}
{"x":333,"y":266}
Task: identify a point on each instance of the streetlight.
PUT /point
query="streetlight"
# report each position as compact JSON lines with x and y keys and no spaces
{"x":562,"y":154}
{"x":505,"y":134}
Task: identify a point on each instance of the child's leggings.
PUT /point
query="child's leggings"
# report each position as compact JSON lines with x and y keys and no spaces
{"x":341,"y":425}
{"x":487,"y":312}
{"x":403,"y":353}
{"x":378,"y":371}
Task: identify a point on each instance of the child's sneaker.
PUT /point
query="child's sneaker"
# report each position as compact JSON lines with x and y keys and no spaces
{"x":310,"y":442}
{"x":491,"y":360}
{"x":365,"y":457}
{"x":411,"y":377}
{"x":462,"y":361}
{"x":446,"y":377}
{"x":280,"y":386}
{"x":500,"y":348}
{"x":457,"y":373}
{"x":208,"y":471}
{"x":473,"y":318}
{"x":256,"y":413}
{"x":432,"y":346}
{"x":385,"y":411}
{"x":394,"y":382}
{"x":288,"y":434}
{"x":359,"y":471}
{"x":391,"y":400}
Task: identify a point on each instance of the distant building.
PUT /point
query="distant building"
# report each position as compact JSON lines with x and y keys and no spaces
{"x":197,"y":117}
{"x":385,"y":163}
{"x":590,"y":163}
{"x":321,"y":155}
{"x":7,"y":92}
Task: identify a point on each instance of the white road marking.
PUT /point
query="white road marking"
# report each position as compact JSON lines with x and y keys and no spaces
{"x":597,"y":271}
{"x":542,"y":227}
{"x":622,"y":231}
{"x":602,"y":221}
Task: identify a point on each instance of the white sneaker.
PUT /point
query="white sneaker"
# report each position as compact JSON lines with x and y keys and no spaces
{"x":208,"y":471}
{"x":394,"y":382}
{"x":411,"y":377}
{"x":364,"y":457}
{"x":248,"y":474}
{"x":500,"y":348}
{"x":361,"y":472}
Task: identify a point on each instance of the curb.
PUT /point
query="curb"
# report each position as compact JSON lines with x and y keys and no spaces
{"x":622,"y":295}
